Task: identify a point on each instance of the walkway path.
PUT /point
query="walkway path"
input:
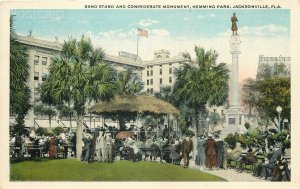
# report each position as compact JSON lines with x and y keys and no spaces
{"x":230,"y":174}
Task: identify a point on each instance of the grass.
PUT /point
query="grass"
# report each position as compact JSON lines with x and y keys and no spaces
{"x":74,"y":170}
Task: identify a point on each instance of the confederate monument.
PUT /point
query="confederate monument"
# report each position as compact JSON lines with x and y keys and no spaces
{"x":234,"y":27}
{"x":235,"y":118}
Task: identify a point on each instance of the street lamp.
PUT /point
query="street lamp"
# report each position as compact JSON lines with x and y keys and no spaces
{"x":207,"y":119}
{"x":279,"y":110}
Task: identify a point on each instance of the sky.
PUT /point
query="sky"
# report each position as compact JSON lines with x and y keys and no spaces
{"x":262,"y":31}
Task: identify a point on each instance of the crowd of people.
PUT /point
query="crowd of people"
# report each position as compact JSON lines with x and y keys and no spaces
{"x":213,"y":153}
{"x":209,"y":151}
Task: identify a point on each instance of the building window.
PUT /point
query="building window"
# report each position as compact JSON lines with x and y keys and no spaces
{"x":36,"y":59}
{"x":160,"y":71}
{"x":160,"y":65}
{"x":44,"y":76}
{"x":151,"y":73}
{"x":151,"y":90}
{"x":170,"y":70}
{"x":215,"y":110}
{"x":147,"y":81}
{"x":151,"y":82}
{"x":44,"y":61}
{"x":148,"y":90}
{"x":222,"y":112}
{"x":36,"y":76}
{"x":151,"y":66}
{"x":170,"y":79}
{"x":160,"y":81}
{"x":148,"y":73}
{"x":170,"y":64}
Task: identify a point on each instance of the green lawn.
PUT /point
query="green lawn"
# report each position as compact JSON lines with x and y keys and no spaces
{"x":74,"y":170}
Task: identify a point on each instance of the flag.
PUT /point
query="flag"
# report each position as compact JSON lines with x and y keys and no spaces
{"x":142,"y":32}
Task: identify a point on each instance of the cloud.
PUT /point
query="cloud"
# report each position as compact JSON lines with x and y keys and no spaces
{"x":265,"y":30}
{"x":201,"y":16}
{"x":110,"y":34}
{"x":160,"y":32}
{"x":147,"y":22}
{"x":251,"y":46}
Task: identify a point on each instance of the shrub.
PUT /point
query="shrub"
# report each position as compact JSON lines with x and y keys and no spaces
{"x":57,"y":130}
{"x":41,"y":131}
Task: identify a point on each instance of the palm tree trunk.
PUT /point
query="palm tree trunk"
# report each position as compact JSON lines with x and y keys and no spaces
{"x":197,"y":122}
{"x":50,"y":121}
{"x":202,"y":114}
{"x":79,"y":136}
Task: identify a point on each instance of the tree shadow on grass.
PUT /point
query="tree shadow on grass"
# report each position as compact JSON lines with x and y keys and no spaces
{"x":20,"y":160}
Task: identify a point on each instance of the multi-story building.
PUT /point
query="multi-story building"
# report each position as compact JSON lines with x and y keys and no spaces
{"x":160,"y":71}
{"x":271,"y":65}
{"x":40,"y":55}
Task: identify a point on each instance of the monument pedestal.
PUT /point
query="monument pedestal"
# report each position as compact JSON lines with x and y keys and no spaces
{"x":235,"y":122}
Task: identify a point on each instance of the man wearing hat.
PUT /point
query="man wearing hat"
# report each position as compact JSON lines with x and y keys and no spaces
{"x":187,"y":147}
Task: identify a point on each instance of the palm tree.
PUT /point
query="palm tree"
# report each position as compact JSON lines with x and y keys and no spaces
{"x":128,"y":83}
{"x":202,"y":83}
{"x":19,"y":74}
{"x":77,"y":77}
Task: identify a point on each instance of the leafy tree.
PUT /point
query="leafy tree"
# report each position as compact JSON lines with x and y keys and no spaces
{"x":249,"y":94}
{"x":127,"y":83}
{"x":42,"y":109}
{"x":19,"y":73}
{"x":77,"y":77}
{"x":214,"y":118}
{"x":166,"y":94}
{"x":201,"y":83}
{"x":66,"y":111}
{"x":274,"y":92}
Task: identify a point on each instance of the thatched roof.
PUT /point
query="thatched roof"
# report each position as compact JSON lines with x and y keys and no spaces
{"x":141,"y":104}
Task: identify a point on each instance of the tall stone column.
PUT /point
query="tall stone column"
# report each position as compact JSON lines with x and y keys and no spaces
{"x":234,"y":79}
{"x":234,"y":115}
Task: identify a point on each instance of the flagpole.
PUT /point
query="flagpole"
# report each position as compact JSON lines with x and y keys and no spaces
{"x":137,"y":44}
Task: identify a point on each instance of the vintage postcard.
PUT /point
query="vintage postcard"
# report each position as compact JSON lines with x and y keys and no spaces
{"x":149,"y":94}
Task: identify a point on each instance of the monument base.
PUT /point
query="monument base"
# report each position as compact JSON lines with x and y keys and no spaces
{"x":235,"y":122}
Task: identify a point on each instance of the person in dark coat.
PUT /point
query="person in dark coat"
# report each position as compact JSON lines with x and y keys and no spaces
{"x":275,"y":157}
{"x":73,"y":141}
{"x":220,"y":152}
{"x":86,"y":148}
{"x":210,"y":152}
{"x":142,"y":134}
{"x":200,"y":152}
{"x":186,"y":149}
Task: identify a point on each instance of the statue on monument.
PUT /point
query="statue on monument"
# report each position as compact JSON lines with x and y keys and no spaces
{"x":234,"y":27}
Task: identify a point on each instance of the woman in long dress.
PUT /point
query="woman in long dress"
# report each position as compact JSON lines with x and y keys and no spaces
{"x":52,"y":147}
{"x":210,"y":152}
